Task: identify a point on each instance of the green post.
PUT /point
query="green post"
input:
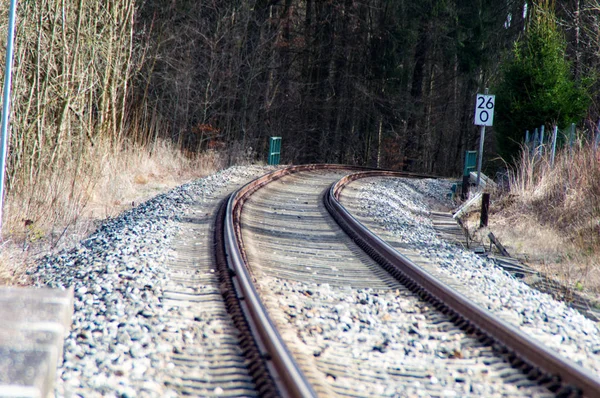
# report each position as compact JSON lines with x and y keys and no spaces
{"x":274,"y":150}
{"x":470,"y":163}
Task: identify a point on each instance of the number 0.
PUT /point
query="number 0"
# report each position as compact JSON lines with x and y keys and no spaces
{"x":484,"y":116}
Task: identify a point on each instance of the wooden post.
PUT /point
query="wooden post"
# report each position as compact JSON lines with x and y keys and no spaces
{"x":496,"y":242}
{"x":485,"y":207}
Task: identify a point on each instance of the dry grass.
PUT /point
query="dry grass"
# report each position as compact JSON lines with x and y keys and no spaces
{"x":83,"y":146}
{"x":551,"y":217}
{"x":139,"y":174}
{"x":73,"y":68}
{"x":43,"y":219}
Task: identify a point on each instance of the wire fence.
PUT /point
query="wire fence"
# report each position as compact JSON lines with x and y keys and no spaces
{"x":539,"y":141}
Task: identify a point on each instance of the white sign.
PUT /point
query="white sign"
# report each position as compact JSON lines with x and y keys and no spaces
{"x":484,"y":110}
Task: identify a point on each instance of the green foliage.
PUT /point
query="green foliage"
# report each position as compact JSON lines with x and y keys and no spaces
{"x":537,"y":86}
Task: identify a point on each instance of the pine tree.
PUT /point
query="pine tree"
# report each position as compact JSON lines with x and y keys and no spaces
{"x":537,"y":86}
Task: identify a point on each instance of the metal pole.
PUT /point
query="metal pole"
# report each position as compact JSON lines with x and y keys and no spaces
{"x":572,"y":136}
{"x":597,"y":135}
{"x":480,"y":157}
{"x":554,"y":137}
{"x":6,"y":102}
{"x":542,"y":140}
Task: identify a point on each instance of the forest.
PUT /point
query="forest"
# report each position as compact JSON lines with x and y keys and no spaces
{"x":388,"y":83}
{"x":383,"y":83}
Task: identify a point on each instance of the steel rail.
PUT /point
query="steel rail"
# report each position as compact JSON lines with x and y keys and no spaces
{"x":285,"y":372}
{"x":559,"y":374}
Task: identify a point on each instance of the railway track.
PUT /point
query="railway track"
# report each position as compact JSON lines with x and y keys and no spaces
{"x":332,"y":322}
{"x":293,"y":306}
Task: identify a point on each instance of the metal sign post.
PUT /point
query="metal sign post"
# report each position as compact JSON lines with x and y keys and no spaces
{"x":6,"y":102}
{"x":484,"y":116}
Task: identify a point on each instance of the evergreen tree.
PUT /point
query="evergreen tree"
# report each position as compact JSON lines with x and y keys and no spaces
{"x":537,"y":86}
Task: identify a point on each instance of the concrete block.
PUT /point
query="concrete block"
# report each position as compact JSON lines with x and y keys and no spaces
{"x":34,"y":325}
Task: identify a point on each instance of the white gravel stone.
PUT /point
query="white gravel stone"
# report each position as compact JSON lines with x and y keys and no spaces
{"x":118,"y":273}
{"x":401,"y":207}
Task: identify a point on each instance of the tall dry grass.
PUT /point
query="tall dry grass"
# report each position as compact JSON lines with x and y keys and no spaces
{"x":105,"y":184}
{"x":566,"y":195}
{"x":66,"y":209}
{"x":553,"y":214}
{"x":80,"y":149}
{"x":73,"y":62}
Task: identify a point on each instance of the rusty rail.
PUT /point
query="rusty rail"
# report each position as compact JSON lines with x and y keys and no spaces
{"x":558,"y":374}
{"x":284,"y":372}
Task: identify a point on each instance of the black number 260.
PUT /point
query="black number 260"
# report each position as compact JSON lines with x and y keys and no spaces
{"x":489,"y":104}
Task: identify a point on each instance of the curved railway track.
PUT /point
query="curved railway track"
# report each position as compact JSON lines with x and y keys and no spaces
{"x":301,"y":340}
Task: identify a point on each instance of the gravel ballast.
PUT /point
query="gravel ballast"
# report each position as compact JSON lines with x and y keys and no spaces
{"x":119,"y":338}
{"x":118,"y":343}
{"x":354,"y":329}
{"x":392,"y":344}
{"x":401,"y":207}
